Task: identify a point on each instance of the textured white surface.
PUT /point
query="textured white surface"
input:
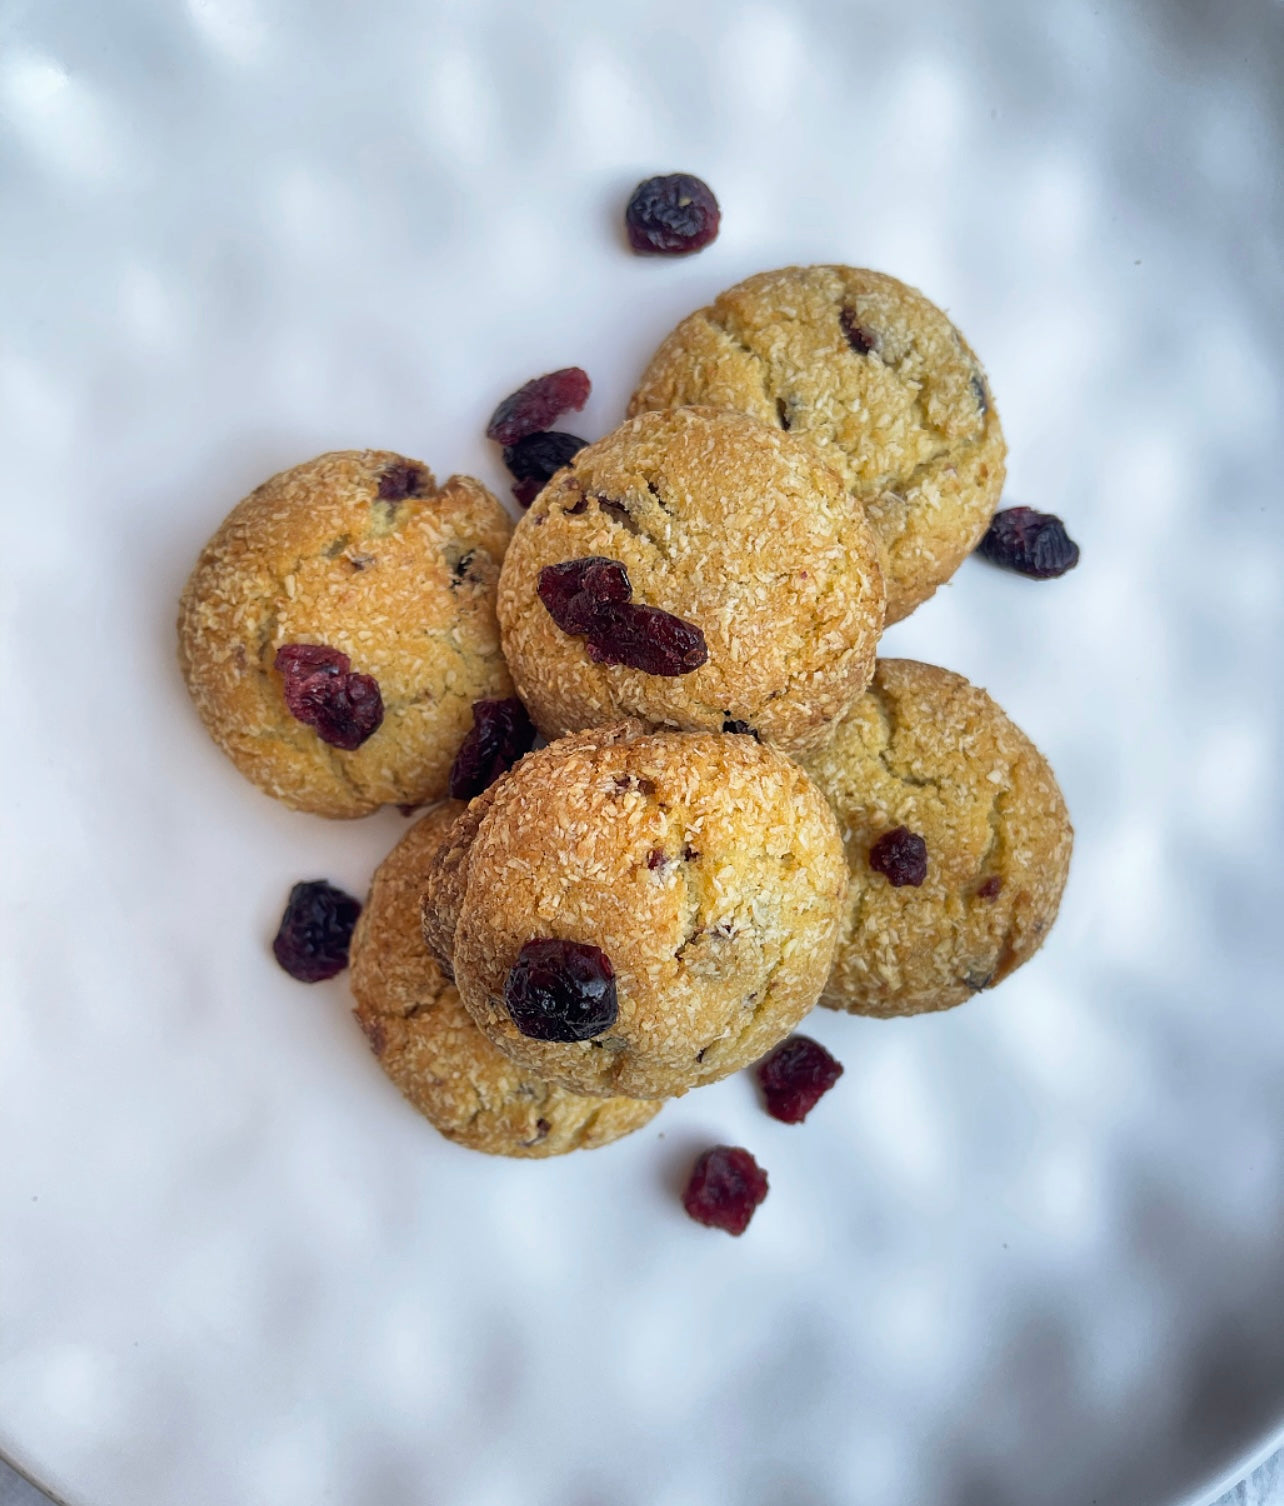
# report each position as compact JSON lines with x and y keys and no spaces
{"x":1028,"y":1254}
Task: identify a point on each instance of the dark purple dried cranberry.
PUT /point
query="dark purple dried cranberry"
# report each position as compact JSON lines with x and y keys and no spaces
{"x":561,"y":991}
{"x":989,"y":888}
{"x":501,"y":733}
{"x":402,"y":480}
{"x":646,"y":638}
{"x":655,"y":858}
{"x":858,"y":337}
{"x":1031,"y":543}
{"x":535,"y":460}
{"x":795,"y":1077}
{"x":900,"y":855}
{"x":726,"y":1185}
{"x":315,"y":931}
{"x":672,"y":216}
{"x":322,"y":691}
{"x":733,"y":724}
{"x":538,"y":403}
{"x":574,"y":591}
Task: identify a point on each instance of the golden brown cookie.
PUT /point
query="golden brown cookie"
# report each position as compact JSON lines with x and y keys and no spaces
{"x":706,"y":867}
{"x":925,"y":751}
{"x":359,"y":551}
{"x":732,"y":527}
{"x":429,"y":1047}
{"x":874,"y":375}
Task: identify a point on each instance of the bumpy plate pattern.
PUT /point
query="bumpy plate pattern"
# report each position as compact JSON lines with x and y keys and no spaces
{"x":1027,"y":1254}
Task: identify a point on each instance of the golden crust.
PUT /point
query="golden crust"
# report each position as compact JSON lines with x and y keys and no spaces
{"x":910,"y":425}
{"x":925,"y":749}
{"x":405,"y":588}
{"x":431,"y":1049}
{"x":707,"y":867}
{"x":728,"y":524}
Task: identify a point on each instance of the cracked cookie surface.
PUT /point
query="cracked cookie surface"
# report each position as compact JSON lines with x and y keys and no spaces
{"x":732,"y":526}
{"x":707,"y":867}
{"x":426,"y":1042}
{"x":361,"y":551}
{"x":926,"y":750}
{"x":879,"y":380}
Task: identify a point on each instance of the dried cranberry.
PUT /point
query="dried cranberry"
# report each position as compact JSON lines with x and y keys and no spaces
{"x":1031,"y":543}
{"x":501,"y":733}
{"x":726,"y":1185}
{"x":733,"y":724}
{"x":795,"y":1077}
{"x":672,"y":215}
{"x":561,"y":991}
{"x":858,"y":337}
{"x":989,"y":888}
{"x":646,"y":638}
{"x":900,"y":855}
{"x":315,"y":932}
{"x":590,"y":598}
{"x":402,"y":480}
{"x":575,"y":590}
{"x":322,"y":691}
{"x":535,"y":460}
{"x":535,"y":405}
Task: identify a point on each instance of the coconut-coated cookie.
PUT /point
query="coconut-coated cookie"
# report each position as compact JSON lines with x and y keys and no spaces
{"x":925,"y":751}
{"x":362,"y":553}
{"x":879,"y":379}
{"x":428,"y":1045}
{"x":738,"y":530}
{"x":707,"y":868}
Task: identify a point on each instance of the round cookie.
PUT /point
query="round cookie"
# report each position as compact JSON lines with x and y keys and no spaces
{"x":707,"y":867}
{"x":359,"y":551}
{"x":925,"y":750}
{"x":729,"y":525}
{"x":428,"y":1045}
{"x":879,"y":379}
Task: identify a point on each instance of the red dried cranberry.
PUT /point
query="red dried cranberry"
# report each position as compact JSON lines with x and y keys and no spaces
{"x":535,"y":405}
{"x":402,"y":480}
{"x":672,"y":215}
{"x":315,"y":932}
{"x":646,"y":638}
{"x":1031,"y":543}
{"x":859,"y":338}
{"x":322,"y":691}
{"x":501,"y":733}
{"x":795,"y":1077}
{"x":989,"y":888}
{"x":726,"y":1185}
{"x":590,"y":598}
{"x":900,"y":855}
{"x":535,"y":460}
{"x":574,"y":590}
{"x":561,"y":991}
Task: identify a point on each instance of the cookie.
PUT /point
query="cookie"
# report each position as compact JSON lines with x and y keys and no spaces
{"x":924,"y":753}
{"x":879,"y":380}
{"x":739,"y":532}
{"x":358,"y":552}
{"x":430,"y":1048}
{"x":705,"y":868}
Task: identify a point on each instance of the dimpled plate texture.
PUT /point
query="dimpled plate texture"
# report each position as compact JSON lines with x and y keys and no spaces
{"x":1030,"y":1253}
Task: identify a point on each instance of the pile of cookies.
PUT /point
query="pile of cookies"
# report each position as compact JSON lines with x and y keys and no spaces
{"x":738,"y":809}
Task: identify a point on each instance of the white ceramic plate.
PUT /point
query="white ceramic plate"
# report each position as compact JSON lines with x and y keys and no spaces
{"x":1028,"y":1254}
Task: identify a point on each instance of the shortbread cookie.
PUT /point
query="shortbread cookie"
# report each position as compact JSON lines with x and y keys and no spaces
{"x":932,"y":783}
{"x":736,"y":584}
{"x":879,"y":380}
{"x":641,"y":913}
{"x":339,"y":626}
{"x":428,"y":1045}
